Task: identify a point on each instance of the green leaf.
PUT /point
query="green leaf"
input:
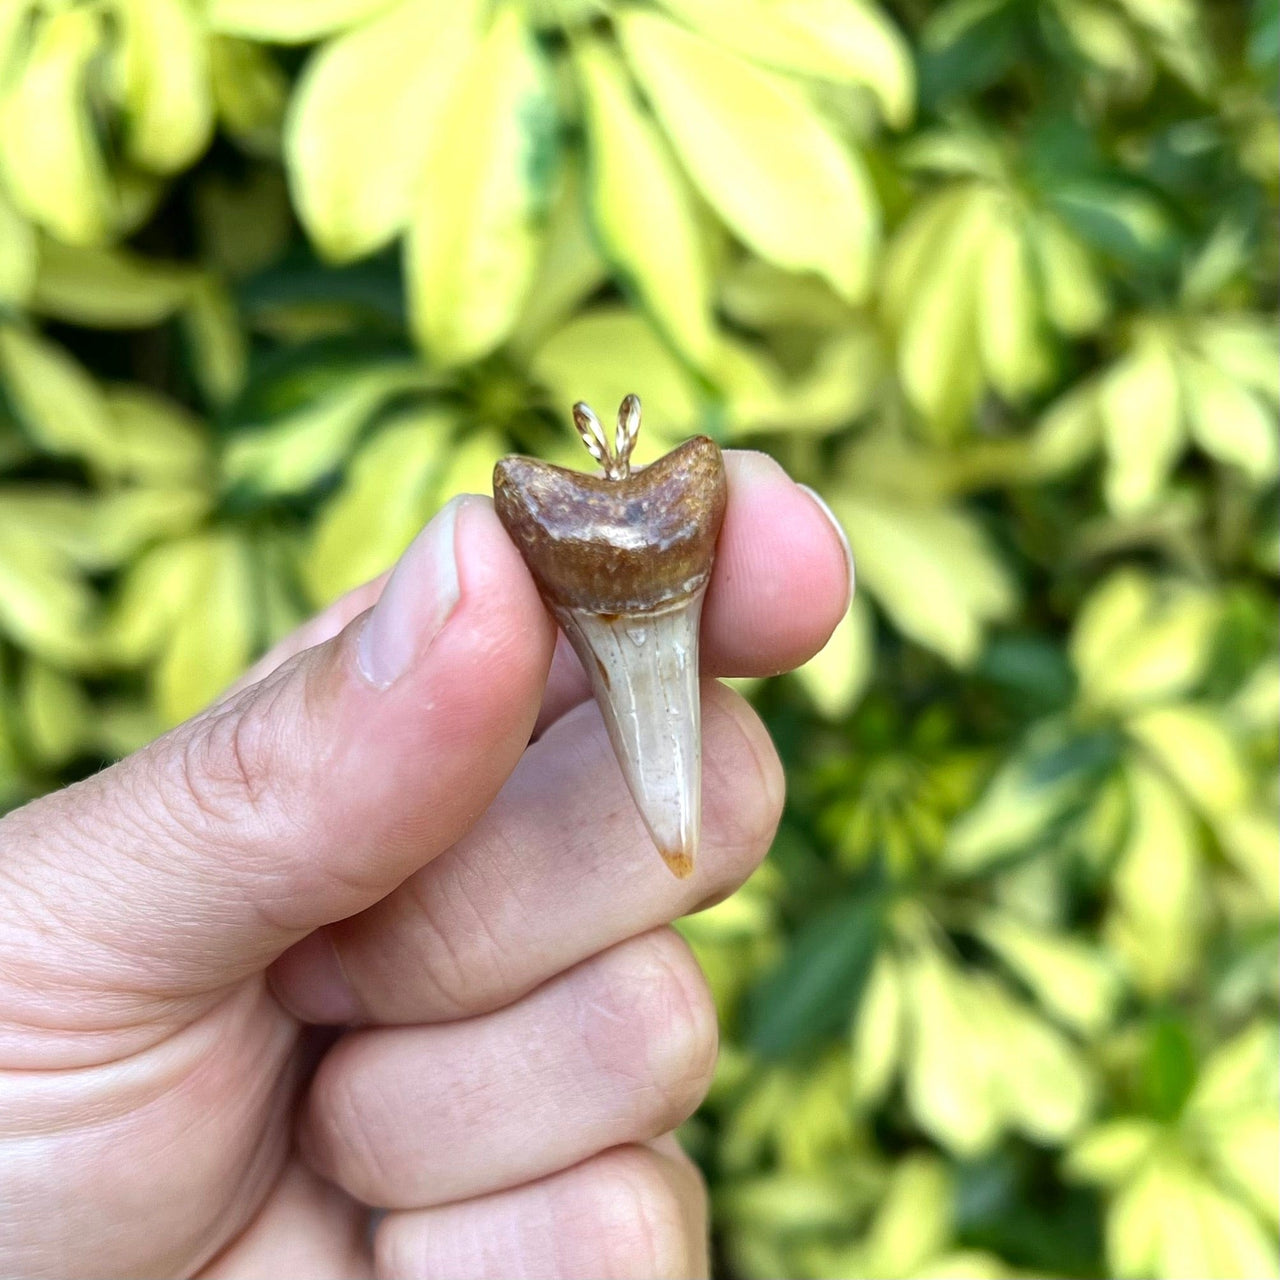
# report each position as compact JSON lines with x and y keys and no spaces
{"x":967,"y":45}
{"x":815,"y":989}
{"x":1041,"y":781}
{"x":1121,"y":220}
{"x":291,"y":454}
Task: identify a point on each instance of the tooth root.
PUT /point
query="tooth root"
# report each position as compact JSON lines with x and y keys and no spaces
{"x":644,"y":672}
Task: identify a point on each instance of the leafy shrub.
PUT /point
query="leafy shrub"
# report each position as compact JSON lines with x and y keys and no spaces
{"x":277,"y":277}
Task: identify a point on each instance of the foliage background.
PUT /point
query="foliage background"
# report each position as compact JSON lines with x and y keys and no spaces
{"x":998,"y":277}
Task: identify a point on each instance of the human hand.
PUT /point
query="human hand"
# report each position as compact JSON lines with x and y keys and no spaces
{"x":363,"y":835}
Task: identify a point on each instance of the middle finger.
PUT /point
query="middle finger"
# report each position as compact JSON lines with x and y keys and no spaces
{"x":558,"y":868}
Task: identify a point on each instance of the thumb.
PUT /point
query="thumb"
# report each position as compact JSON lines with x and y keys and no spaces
{"x":299,"y":800}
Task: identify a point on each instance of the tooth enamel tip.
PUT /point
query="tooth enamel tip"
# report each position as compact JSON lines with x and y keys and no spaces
{"x":680,"y":862}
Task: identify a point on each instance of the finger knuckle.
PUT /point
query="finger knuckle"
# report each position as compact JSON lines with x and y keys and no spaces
{"x":659,"y":991}
{"x":632,"y":1213}
{"x":465,"y":963}
{"x":348,"y":1131}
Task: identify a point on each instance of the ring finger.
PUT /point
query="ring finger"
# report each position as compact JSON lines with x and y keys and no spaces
{"x":617,"y":1050}
{"x":635,"y":1211}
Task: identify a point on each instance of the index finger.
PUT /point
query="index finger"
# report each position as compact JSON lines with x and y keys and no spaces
{"x":783,"y":579}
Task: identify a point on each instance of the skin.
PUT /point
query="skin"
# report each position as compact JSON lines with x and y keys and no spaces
{"x":336,"y":944}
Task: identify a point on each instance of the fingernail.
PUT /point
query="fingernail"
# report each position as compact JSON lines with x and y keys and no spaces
{"x":415,"y":603}
{"x":821,"y":504}
{"x":309,"y":981}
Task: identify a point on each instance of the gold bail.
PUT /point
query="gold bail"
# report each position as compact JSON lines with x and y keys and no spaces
{"x":615,"y":458}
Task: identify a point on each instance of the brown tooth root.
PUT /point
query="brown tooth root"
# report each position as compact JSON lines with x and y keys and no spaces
{"x":623,"y":561}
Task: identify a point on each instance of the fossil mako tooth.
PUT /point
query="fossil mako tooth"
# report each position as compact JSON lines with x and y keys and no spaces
{"x":623,"y":561}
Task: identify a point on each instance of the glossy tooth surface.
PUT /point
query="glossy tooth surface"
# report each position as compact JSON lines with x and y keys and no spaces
{"x":644,"y":673}
{"x":623,"y":561}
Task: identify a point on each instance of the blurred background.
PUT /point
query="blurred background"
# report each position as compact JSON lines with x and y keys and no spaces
{"x":998,"y":277}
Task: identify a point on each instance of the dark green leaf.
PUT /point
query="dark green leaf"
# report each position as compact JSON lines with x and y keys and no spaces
{"x":814,"y":991}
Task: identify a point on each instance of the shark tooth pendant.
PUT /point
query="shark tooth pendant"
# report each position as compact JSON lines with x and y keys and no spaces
{"x":623,"y":561}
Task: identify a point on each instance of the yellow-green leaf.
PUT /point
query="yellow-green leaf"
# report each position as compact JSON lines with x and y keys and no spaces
{"x":929,"y":568}
{"x":1074,"y":297}
{"x":364,"y":112}
{"x":1137,"y":642}
{"x":211,"y":636}
{"x":289,"y":21}
{"x":878,"y":1031}
{"x":1230,"y":422}
{"x":832,"y":39}
{"x":1141,"y":426}
{"x":1249,"y":837}
{"x":1070,"y":978}
{"x":835,"y":678}
{"x":469,"y":466}
{"x":158,"y":439}
{"x":950,"y":1086}
{"x":643,"y":209}
{"x":55,"y":399}
{"x":917,"y":247}
{"x":54,"y":168}
{"x":167,"y":96}
{"x":1039,"y":782}
{"x":913,"y":1222}
{"x":219,"y":347}
{"x":1044,"y":1087}
{"x":569,"y":270}
{"x":1192,"y":745}
{"x":938,"y":353}
{"x":1244,"y":348}
{"x":250,"y":90}
{"x":17,"y":256}
{"x":108,"y":288}
{"x":45,"y":605}
{"x":1008,"y":315}
{"x":1069,"y":432}
{"x":485,"y":185}
{"x":56,"y":713}
{"x":1156,"y":923}
{"x":1112,"y":1152}
{"x":759,"y":153}
{"x":388,"y":494}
